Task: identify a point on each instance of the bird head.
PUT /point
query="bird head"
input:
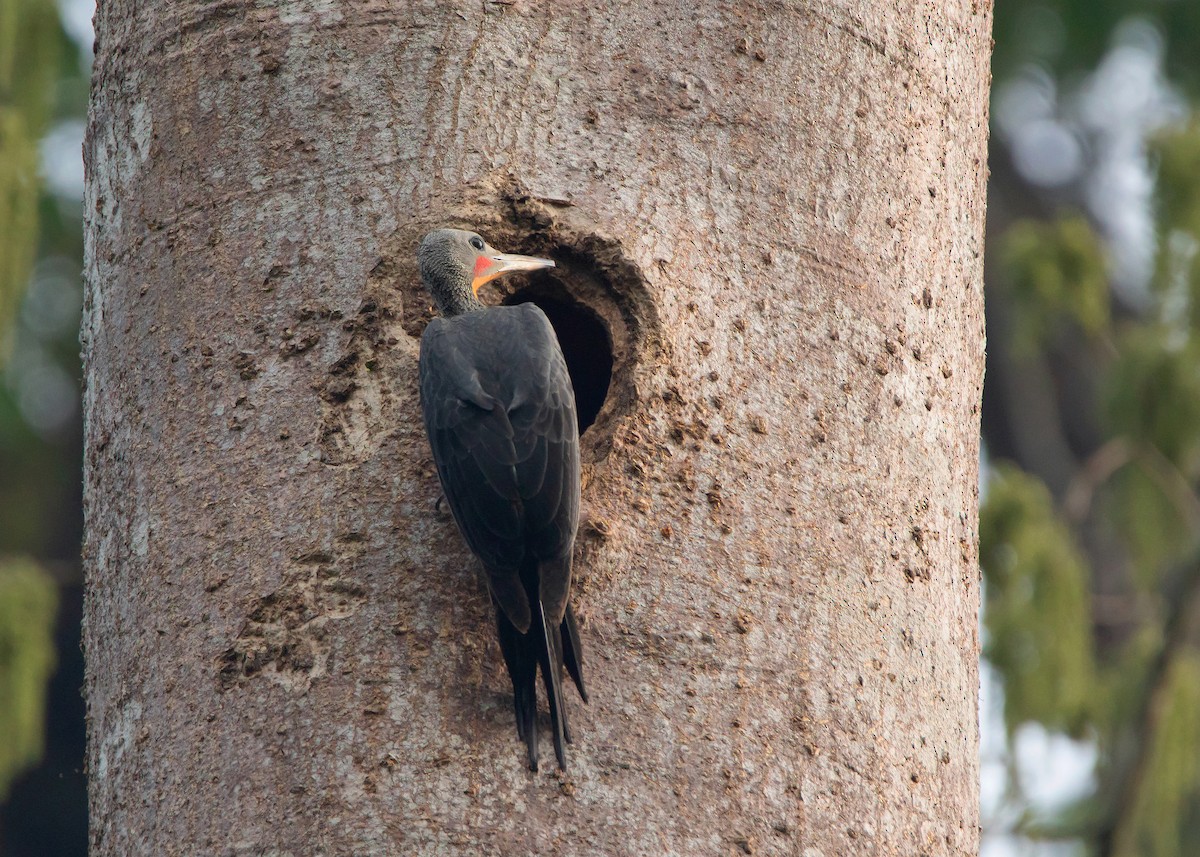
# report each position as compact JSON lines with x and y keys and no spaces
{"x":455,"y":263}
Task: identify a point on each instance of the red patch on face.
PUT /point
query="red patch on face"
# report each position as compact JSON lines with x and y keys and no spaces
{"x":482,"y":263}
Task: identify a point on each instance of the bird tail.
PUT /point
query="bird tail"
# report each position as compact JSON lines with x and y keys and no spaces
{"x":573,"y":651}
{"x":550,"y":659}
{"x":520,"y":656}
{"x":524,"y":654}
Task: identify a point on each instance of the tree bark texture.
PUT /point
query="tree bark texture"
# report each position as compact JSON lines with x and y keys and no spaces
{"x":776,"y":211}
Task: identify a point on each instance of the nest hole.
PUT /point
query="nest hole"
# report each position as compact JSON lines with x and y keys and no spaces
{"x":586,"y":345}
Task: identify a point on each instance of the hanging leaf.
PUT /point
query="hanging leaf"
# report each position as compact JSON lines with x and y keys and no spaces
{"x":1168,"y":800}
{"x":28,"y":601}
{"x":29,"y":39}
{"x":1038,"y":613}
{"x":1154,"y":394}
{"x":1057,"y":275}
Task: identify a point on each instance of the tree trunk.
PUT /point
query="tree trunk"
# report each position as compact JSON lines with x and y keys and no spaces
{"x":774,"y":211}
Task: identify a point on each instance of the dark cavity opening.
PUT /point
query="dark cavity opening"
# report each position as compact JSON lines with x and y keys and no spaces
{"x":586,"y":346}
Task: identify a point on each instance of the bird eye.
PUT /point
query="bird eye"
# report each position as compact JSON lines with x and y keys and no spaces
{"x":476,"y":242}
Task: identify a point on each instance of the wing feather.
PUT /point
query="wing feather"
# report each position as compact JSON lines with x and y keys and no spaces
{"x":500,"y":414}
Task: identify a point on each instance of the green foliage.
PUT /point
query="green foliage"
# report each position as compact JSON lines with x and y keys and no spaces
{"x":1177,"y":153}
{"x":1171,"y":789}
{"x":1177,"y":272}
{"x":1154,"y":393}
{"x":28,"y":601}
{"x":29,"y":39}
{"x":1136,"y":506}
{"x":1056,"y":272}
{"x":38,"y":478}
{"x":1154,"y":529}
{"x":1037,"y":617}
{"x":18,"y":211}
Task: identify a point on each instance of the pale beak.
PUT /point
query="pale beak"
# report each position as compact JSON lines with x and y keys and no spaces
{"x":493,"y":264}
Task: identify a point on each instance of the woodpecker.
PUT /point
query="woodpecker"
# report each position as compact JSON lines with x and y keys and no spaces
{"x":499,"y":411}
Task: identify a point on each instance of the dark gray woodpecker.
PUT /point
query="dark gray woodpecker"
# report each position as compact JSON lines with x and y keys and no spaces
{"x":500,"y":414}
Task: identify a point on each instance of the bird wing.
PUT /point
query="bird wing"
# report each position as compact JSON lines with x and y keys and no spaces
{"x":500,"y":414}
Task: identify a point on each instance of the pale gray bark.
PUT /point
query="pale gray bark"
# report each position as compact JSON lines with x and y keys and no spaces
{"x":777,"y":208}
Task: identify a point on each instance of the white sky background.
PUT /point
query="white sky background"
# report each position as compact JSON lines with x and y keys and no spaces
{"x":1095,"y":134}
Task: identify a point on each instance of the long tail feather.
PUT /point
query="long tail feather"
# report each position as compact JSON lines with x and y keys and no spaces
{"x":573,"y":651}
{"x":521,"y":657}
{"x":550,"y":657}
{"x":524,"y":654}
